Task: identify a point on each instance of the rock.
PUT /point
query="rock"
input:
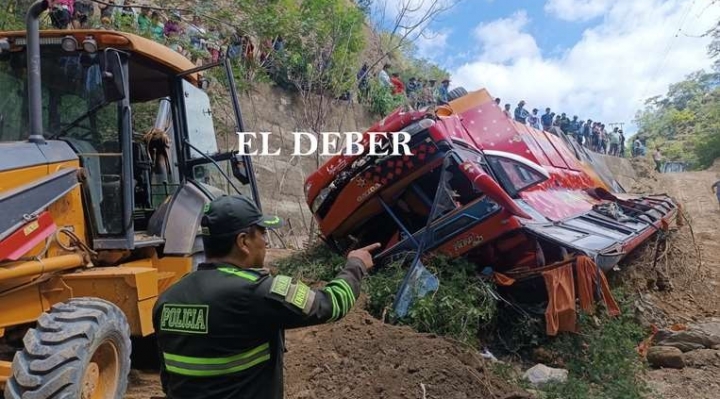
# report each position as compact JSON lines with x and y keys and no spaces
{"x":702,"y":358}
{"x":665,"y":356}
{"x":703,"y":335}
{"x":540,"y":374}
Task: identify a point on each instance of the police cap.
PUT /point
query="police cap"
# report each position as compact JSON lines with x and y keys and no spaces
{"x":230,"y":214}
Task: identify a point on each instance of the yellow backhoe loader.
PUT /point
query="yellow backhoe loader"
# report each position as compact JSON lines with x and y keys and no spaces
{"x":99,"y":207}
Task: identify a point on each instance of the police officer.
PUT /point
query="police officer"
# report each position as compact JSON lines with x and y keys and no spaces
{"x":220,"y":329}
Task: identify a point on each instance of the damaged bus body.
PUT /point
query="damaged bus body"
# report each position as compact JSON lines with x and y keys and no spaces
{"x":516,"y":200}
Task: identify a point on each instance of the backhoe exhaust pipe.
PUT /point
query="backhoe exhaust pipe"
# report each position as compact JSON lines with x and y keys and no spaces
{"x":33,"y":66}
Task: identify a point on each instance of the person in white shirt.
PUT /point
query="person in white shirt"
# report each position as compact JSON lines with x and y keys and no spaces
{"x":384,"y":77}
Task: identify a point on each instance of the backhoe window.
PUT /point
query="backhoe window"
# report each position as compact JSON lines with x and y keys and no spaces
{"x":75,"y":110}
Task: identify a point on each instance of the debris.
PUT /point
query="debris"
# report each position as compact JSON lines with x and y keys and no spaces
{"x":540,"y":374}
{"x":698,"y":336}
{"x":665,"y":356}
{"x":486,"y":354}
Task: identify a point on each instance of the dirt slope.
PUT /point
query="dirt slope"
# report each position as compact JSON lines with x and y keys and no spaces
{"x":696,"y":294}
{"x":359,"y":357}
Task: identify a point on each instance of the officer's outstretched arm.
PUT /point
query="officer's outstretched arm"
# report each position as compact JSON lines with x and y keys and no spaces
{"x":292,"y":304}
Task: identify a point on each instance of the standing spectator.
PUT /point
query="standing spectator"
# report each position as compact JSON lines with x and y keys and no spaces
{"x":521,"y":113}
{"x":547,"y":119}
{"x":603,"y":139}
{"x":126,"y":19}
{"x":428,"y":92}
{"x":157,"y":28}
{"x":213,"y":44}
{"x":144,"y":21}
{"x":234,"y":46}
{"x":443,"y":92}
{"x":398,"y":85}
{"x":412,"y":91}
{"x":586,"y":133}
{"x":172,"y":27}
{"x":657,"y":157}
{"x":621,"y":137}
{"x":574,"y":129}
{"x":595,"y":146}
{"x":362,"y":79}
{"x":107,"y":10}
{"x":636,"y":147}
{"x":614,"y":139}
{"x":384,"y":77}
{"x":84,"y":9}
{"x":716,"y":188}
{"x":564,"y":123}
{"x":534,"y":120}
{"x":61,"y":13}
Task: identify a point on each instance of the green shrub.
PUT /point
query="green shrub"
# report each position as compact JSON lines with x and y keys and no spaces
{"x":602,"y":360}
{"x":382,"y":101}
{"x":463,"y":305}
{"x":317,"y":263}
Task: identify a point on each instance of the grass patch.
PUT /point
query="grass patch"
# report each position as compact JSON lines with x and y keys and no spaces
{"x":462,"y":306}
{"x":602,"y":361}
{"x":317,"y":263}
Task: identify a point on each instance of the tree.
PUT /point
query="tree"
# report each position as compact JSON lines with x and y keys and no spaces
{"x":686,"y":121}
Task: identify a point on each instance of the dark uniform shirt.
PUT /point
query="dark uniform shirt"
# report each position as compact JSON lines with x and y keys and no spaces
{"x":221,"y":329}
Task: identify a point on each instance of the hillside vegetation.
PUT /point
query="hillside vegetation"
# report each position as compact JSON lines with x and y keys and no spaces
{"x":324,"y":42}
{"x":685,"y":123}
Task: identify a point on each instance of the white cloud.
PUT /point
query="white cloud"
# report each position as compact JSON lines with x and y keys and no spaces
{"x":503,"y":40}
{"x":607,"y":74}
{"x":578,"y":10}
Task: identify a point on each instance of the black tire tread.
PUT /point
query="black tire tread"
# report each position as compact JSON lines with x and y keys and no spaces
{"x":456,"y":93}
{"x":57,"y":350}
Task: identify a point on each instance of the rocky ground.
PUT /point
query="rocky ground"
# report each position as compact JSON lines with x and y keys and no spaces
{"x":690,"y":304}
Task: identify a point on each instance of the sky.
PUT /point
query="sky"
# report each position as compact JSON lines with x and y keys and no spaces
{"x":597,"y":59}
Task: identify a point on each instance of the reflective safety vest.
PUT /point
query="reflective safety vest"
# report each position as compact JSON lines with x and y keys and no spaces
{"x":220,"y":329}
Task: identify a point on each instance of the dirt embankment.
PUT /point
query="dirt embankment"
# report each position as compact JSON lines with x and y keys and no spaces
{"x":683,"y":285}
{"x":360,"y":357}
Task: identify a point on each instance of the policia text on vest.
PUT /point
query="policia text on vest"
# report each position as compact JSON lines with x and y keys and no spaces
{"x":220,"y":329}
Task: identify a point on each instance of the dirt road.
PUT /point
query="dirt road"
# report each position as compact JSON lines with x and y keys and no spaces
{"x":697,"y":295}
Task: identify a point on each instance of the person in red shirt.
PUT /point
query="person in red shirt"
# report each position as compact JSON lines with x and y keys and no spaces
{"x":398,"y":85}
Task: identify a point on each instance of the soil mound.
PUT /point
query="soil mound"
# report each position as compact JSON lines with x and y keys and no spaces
{"x":361,"y":357}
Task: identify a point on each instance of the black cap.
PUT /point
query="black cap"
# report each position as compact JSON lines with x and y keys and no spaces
{"x":229,"y":214}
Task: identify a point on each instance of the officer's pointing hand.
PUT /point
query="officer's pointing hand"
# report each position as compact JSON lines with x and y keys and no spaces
{"x":364,"y":254}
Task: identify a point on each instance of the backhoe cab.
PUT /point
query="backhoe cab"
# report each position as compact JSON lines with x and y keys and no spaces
{"x":108,"y":156}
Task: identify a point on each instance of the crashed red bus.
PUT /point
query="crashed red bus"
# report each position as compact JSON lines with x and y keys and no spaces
{"x":478,"y":184}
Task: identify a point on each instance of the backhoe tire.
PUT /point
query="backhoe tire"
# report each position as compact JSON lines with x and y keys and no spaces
{"x":80,"y":349}
{"x":456,"y":93}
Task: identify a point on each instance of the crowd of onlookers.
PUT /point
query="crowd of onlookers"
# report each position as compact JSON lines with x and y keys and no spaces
{"x":200,"y":42}
{"x":417,"y":91}
{"x":593,"y":135}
